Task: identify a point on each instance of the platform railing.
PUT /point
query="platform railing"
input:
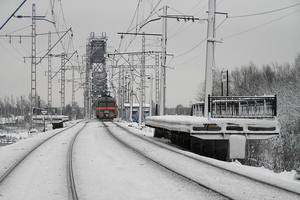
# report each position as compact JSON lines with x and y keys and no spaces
{"x":238,"y":107}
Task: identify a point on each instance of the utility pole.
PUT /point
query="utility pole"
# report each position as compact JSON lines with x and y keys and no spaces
{"x":131,"y":89}
{"x":33,"y":63}
{"x":162,"y":96}
{"x":142,"y":83}
{"x":119,"y":90}
{"x":49,"y":74}
{"x":63,"y":82}
{"x":224,"y":79}
{"x":227,"y":81}
{"x":123,"y":86}
{"x":87,"y":84}
{"x":73,"y":90}
{"x":210,"y":53}
{"x":151,"y":94}
{"x":87,"y":92}
{"x":156,"y":83}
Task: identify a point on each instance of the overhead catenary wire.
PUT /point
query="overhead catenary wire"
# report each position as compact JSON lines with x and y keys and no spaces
{"x":199,"y":43}
{"x":265,"y":12}
{"x":248,"y":30}
{"x":13,"y":14}
{"x":138,"y":24}
{"x":260,"y":25}
{"x":242,"y":32}
{"x":19,"y":29}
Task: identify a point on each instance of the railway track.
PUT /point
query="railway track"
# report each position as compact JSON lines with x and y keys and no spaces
{"x":71,"y":179}
{"x":293,"y":193}
{"x":70,"y":175}
{"x":18,"y":162}
{"x":157,"y":162}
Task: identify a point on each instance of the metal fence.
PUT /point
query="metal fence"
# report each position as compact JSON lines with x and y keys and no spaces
{"x":238,"y":107}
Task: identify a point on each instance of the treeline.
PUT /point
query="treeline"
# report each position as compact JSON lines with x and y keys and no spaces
{"x":11,"y":106}
{"x":283,"y":152}
{"x":178,"y":110}
{"x":20,"y":106}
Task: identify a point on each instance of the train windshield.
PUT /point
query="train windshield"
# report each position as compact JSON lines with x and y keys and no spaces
{"x":110,"y":104}
{"x":102,"y":104}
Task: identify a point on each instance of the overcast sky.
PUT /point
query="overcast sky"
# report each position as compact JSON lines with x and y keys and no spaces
{"x":276,"y":41}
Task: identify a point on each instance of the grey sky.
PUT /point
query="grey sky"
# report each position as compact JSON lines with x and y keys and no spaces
{"x":274,"y":42}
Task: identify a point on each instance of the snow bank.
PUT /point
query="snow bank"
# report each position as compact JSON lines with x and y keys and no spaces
{"x":9,"y":154}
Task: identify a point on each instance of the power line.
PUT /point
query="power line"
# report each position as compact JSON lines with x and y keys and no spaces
{"x":13,"y":14}
{"x":152,"y":12}
{"x":190,"y":50}
{"x":248,"y":30}
{"x":260,"y":25}
{"x":265,"y":12}
{"x":20,"y":29}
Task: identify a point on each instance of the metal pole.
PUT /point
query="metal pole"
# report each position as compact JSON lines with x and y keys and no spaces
{"x":62,"y":84}
{"x":227,"y":89}
{"x":123,"y":92}
{"x":87,"y":82}
{"x":210,"y":53}
{"x":73,"y":90}
{"x":33,"y":64}
{"x":162,"y":96}
{"x":131,"y":89}
{"x":156,"y":78}
{"x":44,"y":123}
{"x":119,"y":90}
{"x":49,"y":73}
{"x":222,"y":91}
{"x":142,"y":83}
{"x":151,"y":91}
{"x":90,"y":92}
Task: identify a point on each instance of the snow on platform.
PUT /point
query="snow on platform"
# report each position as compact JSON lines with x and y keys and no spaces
{"x":51,"y":118}
{"x":216,"y":128}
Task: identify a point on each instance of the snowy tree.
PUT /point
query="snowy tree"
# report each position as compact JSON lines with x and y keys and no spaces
{"x":283,"y":152}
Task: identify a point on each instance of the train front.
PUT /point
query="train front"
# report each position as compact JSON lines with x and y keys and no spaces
{"x":106,"y":108}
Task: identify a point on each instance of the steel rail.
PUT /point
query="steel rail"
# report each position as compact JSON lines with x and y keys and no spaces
{"x":71,"y":179}
{"x":162,"y":145}
{"x":160,"y":164}
{"x":18,"y":162}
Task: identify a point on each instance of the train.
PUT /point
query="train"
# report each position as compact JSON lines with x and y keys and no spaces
{"x":106,"y":108}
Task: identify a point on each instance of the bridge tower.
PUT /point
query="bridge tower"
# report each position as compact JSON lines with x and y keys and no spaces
{"x":96,"y":72}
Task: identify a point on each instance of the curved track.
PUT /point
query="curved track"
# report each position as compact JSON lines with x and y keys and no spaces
{"x":158,"y":163}
{"x":164,"y":146}
{"x":71,"y":180}
{"x":17,"y":163}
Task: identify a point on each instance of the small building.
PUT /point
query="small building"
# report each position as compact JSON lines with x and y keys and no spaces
{"x":135,"y":111}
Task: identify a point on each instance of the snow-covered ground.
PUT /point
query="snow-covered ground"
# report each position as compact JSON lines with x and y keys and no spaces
{"x":16,"y":133}
{"x":9,"y":154}
{"x":105,"y":169}
{"x":284,"y":179}
{"x":149,"y":132}
{"x":42,"y":175}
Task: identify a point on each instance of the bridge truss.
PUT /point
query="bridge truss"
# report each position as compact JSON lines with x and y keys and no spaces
{"x":96,"y":72}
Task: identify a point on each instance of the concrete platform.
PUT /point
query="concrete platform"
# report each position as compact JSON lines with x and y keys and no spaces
{"x":216,"y":128}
